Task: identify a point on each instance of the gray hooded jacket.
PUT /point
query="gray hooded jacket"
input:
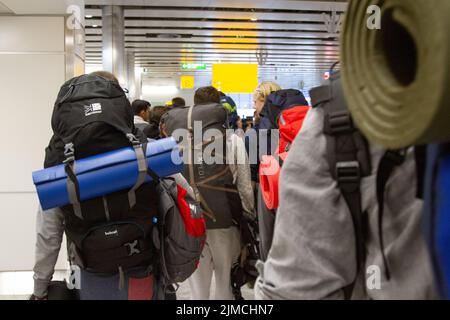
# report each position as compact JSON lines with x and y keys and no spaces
{"x":313,"y":252}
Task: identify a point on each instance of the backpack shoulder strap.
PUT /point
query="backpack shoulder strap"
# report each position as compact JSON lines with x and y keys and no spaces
{"x":388,"y":163}
{"x":142,"y":126}
{"x":348,"y":158}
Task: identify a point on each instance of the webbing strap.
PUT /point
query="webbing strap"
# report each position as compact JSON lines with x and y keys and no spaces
{"x":106,"y":208}
{"x":142,"y":165}
{"x":347,"y":166}
{"x":198,"y":196}
{"x":142,"y":168}
{"x":420,"y":154}
{"x":71,"y":182}
{"x":388,"y":163}
{"x":320,"y":95}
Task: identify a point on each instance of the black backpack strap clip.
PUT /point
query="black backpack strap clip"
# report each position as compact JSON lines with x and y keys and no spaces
{"x":348,"y":173}
{"x":338,"y":122}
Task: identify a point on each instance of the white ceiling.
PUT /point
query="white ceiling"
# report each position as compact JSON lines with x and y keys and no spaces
{"x":40,"y":6}
{"x":210,"y":31}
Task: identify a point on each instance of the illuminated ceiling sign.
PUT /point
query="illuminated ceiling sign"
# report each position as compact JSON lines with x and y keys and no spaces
{"x":193,"y":66}
{"x":235,"y":78}
{"x":187,"y":82}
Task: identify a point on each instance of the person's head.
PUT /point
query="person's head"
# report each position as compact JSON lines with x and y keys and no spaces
{"x":141,"y":108}
{"x":178,"y":102}
{"x":157,"y":112}
{"x":262,"y":92}
{"x":206,"y":95}
{"x":237,"y":124}
{"x":106,"y":75}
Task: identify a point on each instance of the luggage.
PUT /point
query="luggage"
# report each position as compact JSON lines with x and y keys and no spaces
{"x":289,"y":123}
{"x":110,"y":233}
{"x":244,"y":270}
{"x":349,"y":161}
{"x":212,"y":182}
{"x":284,"y":110}
{"x":280,"y":101}
{"x":181,"y":233}
{"x":105,"y":173}
{"x":58,"y":290}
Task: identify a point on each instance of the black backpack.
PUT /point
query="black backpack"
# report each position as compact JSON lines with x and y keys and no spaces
{"x":349,"y":160}
{"x":112,"y":233}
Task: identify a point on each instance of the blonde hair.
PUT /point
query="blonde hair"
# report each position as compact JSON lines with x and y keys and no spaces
{"x":265,"y":89}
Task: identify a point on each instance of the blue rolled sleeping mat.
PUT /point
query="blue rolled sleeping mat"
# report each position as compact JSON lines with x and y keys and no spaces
{"x":437,"y":213}
{"x":106,"y":173}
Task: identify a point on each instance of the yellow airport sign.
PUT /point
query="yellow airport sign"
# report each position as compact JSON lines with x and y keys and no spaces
{"x":235,"y":78}
{"x":187,"y":82}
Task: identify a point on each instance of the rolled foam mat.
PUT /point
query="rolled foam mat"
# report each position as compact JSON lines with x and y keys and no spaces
{"x":397,"y":79}
{"x":106,"y":173}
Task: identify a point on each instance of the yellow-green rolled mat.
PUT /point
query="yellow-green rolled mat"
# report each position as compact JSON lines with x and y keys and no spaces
{"x":397,"y":79}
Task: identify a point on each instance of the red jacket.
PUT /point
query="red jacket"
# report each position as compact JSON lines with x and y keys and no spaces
{"x":290,"y":123}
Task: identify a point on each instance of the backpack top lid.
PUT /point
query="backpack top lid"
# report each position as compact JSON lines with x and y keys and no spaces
{"x":87,"y":99}
{"x":282,"y":100}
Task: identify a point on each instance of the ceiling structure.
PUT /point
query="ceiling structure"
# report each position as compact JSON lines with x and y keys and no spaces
{"x":4,"y":9}
{"x":163,"y":34}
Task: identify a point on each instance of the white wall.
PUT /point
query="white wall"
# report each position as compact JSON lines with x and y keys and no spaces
{"x":159,"y":89}
{"x":32,"y":69}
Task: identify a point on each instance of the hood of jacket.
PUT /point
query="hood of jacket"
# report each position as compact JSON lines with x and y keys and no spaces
{"x":280,"y":101}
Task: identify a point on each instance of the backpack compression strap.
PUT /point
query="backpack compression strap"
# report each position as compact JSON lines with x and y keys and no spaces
{"x":72,"y":181}
{"x":142,"y":166}
{"x":191,"y":147}
{"x":348,"y":158}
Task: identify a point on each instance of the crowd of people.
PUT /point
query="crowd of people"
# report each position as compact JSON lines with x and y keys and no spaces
{"x":279,"y":215}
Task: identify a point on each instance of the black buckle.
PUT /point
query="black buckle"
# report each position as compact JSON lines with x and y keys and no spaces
{"x":396,"y":157}
{"x":348,"y":172}
{"x":132,"y":247}
{"x":340,"y":122}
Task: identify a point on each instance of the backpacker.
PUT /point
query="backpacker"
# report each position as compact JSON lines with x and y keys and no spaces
{"x":284,"y":110}
{"x":112,"y":233}
{"x":212,"y":182}
{"x":437,"y":214}
{"x":349,"y":160}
